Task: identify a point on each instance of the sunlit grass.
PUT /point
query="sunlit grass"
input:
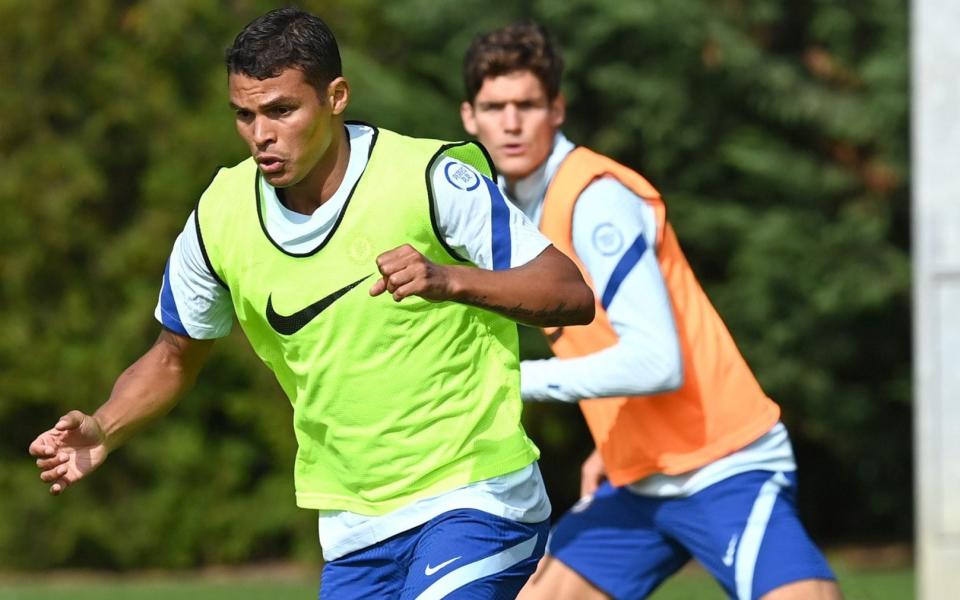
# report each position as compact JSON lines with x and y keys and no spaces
{"x":857,"y":584}
{"x":691,"y":584}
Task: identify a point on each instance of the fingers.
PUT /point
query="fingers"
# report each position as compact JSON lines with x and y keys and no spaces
{"x":587,"y":488}
{"x":591,"y":474}
{"x":54,"y":474}
{"x":42,"y":446}
{"x":397,"y":260}
{"x":58,"y":476}
{"x":392,"y":261}
{"x":379,"y":286}
{"x":406,"y":272}
{"x":399,"y":284}
{"x":59,"y":480}
{"x":387,"y":265}
{"x":392,"y":283}
{"x":48,"y":442}
{"x":412,"y":288}
{"x":399,"y":268}
{"x":71,"y":420}
{"x":51,"y":463}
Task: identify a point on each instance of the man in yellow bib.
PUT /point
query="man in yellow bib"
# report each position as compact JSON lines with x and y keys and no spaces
{"x":379,"y":277}
{"x":695,"y":459}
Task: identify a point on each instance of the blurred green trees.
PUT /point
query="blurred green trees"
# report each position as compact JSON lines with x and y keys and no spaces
{"x":777,"y":132}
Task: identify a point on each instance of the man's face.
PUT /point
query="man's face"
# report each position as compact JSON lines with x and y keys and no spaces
{"x":512,"y":116}
{"x":286,"y":122}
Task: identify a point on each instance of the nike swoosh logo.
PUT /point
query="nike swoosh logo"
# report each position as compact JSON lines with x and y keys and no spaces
{"x":290,"y":324}
{"x":431,"y":570}
{"x":731,"y":549}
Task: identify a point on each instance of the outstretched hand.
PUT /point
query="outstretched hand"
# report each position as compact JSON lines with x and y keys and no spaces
{"x":70,"y":451}
{"x":592,"y":473}
{"x":407,"y":272}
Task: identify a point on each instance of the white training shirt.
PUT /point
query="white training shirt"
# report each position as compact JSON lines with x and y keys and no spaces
{"x":614,"y":235}
{"x":478,"y":224}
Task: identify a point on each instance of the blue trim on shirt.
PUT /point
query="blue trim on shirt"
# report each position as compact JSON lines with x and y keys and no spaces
{"x":627,"y":262}
{"x":168,"y":307}
{"x":499,"y":227}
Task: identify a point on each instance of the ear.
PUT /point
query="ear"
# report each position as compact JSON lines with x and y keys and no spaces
{"x":558,"y":110}
{"x":338,"y":95}
{"x":468,"y":117}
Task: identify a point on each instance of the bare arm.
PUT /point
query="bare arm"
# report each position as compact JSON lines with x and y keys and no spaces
{"x":546,"y":291}
{"x":149,"y":388}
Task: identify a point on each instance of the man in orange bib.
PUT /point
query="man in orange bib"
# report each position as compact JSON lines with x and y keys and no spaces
{"x":695,"y":459}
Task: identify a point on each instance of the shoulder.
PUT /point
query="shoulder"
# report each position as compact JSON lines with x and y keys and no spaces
{"x":227,"y":182}
{"x":583,"y":166}
{"x":586,"y":161}
{"x":456,"y":177}
{"x":222,"y":176}
{"x":607,"y":191}
{"x":436,"y":150}
{"x":244,"y":169}
{"x":461,"y":194}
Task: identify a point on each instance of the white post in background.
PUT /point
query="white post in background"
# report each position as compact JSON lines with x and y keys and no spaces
{"x":936,"y":262}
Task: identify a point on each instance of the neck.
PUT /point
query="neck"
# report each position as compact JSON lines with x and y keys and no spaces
{"x":323,"y":181}
{"x":527,"y":192}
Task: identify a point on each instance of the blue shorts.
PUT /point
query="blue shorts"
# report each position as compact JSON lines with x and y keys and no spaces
{"x":467,"y":554}
{"x":744,"y":530}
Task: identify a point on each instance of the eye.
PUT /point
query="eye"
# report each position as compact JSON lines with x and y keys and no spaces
{"x":281,"y":111}
{"x":242,"y":114}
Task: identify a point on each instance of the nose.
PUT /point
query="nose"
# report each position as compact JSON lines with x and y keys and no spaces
{"x":262,"y":133}
{"x":510,"y":119}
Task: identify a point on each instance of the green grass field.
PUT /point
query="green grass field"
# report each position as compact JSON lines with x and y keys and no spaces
{"x":691,"y":584}
{"x":859,"y":584}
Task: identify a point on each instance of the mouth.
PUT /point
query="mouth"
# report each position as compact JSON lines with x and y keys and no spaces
{"x":513,"y":149}
{"x":270,"y":164}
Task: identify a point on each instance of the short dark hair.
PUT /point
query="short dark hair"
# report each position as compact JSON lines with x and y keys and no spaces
{"x":521,"y":46}
{"x":286,"y":38}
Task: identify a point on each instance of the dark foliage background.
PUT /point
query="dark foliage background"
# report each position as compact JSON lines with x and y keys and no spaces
{"x":777,"y":132}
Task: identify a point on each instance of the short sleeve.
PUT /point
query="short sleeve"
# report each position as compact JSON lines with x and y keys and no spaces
{"x":478,"y":223}
{"x":192,"y":301}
